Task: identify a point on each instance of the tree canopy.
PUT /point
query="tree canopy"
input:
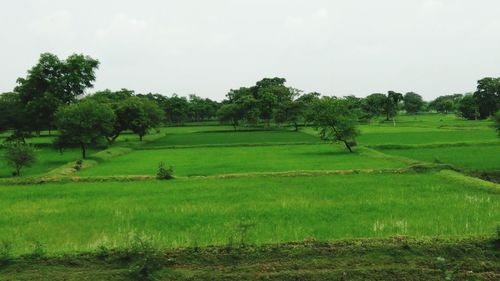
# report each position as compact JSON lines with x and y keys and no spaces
{"x":84,"y":123}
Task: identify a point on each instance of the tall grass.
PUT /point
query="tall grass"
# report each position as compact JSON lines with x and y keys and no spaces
{"x":80,"y":217}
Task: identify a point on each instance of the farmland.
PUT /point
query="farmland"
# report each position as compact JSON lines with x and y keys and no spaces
{"x":260,"y":188}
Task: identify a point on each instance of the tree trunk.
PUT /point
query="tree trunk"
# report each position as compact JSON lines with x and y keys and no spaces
{"x":84,"y":151}
{"x":296,"y":126}
{"x":140,"y":137}
{"x":348,"y":146}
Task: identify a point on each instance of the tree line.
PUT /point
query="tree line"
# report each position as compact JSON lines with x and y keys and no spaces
{"x":52,"y":97}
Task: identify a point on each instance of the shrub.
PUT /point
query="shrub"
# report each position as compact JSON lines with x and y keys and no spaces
{"x":19,"y":155}
{"x":78,"y":165}
{"x":164,"y":173}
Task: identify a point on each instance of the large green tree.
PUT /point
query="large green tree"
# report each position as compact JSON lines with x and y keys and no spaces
{"x":373,"y":105}
{"x":391,"y":105}
{"x":53,"y":82}
{"x":467,"y":107}
{"x":336,"y":122}
{"x":413,"y":102}
{"x":13,"y":115}
{"x":84,"y":123}
{"x":487,"y":97}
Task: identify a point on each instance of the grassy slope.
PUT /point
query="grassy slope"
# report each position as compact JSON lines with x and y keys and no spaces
{"x":481,"y":157}
{"x":47,"y":159}
{"x":225,"y":160}
{"x":80,"y":217}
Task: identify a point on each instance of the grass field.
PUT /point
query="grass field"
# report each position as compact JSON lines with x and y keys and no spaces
{"x":229,"y":160}
{"x":81,"y":217}
{"x":477,"y":157}
{"x":47,"y":159}
{"x":263,"y":188}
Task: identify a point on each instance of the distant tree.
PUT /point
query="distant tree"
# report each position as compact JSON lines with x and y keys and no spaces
{"x":230,"y":113}
{"x":355,"y":105}
{"x":176,"y":109}
{"x":413,"y":103}
{"x":446,"y":104}
{"x":290,"y":112}
{"x":487,"y":97}
{"x":19,"y":155}
{"x":467,"y":108}
{"x":143,"y":115}
{"x":201,"y":108}
{"x":13,"y":115}
{"x":84,"y":123}
{"x":391,"y":105}
{"x":270,"y":92}
{"x":373,"y":105}
{"x":497,"y":122}
{"x":336,"y":122}
{"x":53,"y":82}
{"x":308,"y":101}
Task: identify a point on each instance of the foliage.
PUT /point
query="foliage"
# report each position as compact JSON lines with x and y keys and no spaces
{"x":467,"y":108}
{"x":413,"y":103}
{"x":487,"y":97}
{"x":229,"y":113}
{"x":336,"y":122}
{"x":84,"y":123}
{"x":391,"y":105}
{"x":497,"y":122}
{"x":19,"y":155}
{"x":164,"y":173}
{"x":53,"y":82}
{"x":446,"y":104}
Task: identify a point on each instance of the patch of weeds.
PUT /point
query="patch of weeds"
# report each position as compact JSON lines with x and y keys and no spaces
{"x":78,"y":165}
{"x":38,"y":250}
{"x":146,"y":258}
{"x":5,"y":252}
{"x":164,"y":173}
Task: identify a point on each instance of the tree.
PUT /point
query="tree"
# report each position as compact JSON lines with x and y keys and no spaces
{"x":143,"y":115}
{"x":13,"y":115}
{"x":467,"y":108}
{"x":391,"y":106}
{"x":19,"y":155}
{"x":308,"y":100}
{"x":290,"y":112}
{"x":84,"y":123}
{"x":497,"y":122}
{"x":446,"y":104}
{"x":336,"y":122}
{"x":373,"y":105}
{"x":413,"y":103}
{"x":53,"y":82}
{"x":176,"y":109}
{"x":487,"y":97}
{"x":230,"y":113}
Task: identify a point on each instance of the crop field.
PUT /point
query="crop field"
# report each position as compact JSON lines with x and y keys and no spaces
{"x":259,"y":188}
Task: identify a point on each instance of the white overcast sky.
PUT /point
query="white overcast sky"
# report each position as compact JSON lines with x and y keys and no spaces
{"x":206,"y":47}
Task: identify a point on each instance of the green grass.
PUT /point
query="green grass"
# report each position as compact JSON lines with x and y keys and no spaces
{"x":47,"y":159}
{"x":227,"y":160}
{"x":79,"y":217}
{"x":483,"y":158}
{"x":427,"y":137}
{"x":230,"y":137}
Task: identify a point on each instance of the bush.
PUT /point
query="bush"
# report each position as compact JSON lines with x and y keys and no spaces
{"x":78,"y":165}
{"x":164,"y":173}
{"x":19,"y":155}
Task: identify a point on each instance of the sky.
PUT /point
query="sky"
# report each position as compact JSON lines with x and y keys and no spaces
{"x":207,"y":47}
